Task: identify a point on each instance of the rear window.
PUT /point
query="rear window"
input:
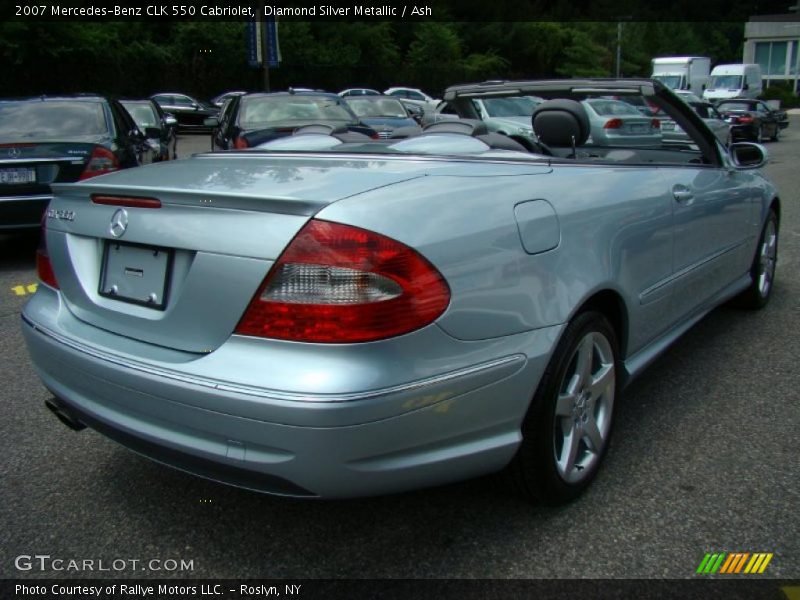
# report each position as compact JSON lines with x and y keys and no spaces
{"x":612,"y":107}
{"x":383,"y":107}
{"x":735,"y":106}
{"x":56,"y":120}
{"x":522,"y":106}
{"x":265,"y":110}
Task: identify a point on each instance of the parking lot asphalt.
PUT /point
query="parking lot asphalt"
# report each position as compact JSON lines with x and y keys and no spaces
{"x":704,"y":459}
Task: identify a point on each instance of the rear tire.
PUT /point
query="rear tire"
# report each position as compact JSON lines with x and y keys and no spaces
{"x":762,"y":270}
{"x":760,"y":135}
{"x":776,"y":136}
{"x":566,"y":431}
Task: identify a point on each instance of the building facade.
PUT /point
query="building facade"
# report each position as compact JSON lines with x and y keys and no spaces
{"x":773,"y":42}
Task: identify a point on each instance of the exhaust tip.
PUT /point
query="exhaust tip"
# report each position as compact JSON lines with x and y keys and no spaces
{"x":64,"y":415}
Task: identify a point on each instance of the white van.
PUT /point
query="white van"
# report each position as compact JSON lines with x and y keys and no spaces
{"x":682,"y":72}
{"x":733,"y":81}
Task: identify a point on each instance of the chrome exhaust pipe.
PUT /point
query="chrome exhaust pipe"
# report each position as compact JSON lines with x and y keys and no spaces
{"x":64,"y":414}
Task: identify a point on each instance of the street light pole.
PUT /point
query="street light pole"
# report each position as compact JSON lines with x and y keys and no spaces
{"x":619,"y":47}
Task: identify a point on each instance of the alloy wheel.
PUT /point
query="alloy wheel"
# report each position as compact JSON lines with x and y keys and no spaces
{"x":767,"y":258}
{"x":584,"y":408}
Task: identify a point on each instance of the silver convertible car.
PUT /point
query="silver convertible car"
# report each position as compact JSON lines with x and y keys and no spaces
{"x":335,"y":316}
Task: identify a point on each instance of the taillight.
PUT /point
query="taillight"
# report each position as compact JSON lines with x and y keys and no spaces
{"x":655,"y":124}
{"x":745,"y":119}
{"x":337,"y":283}
{"x":101,"y":161}
{"x":613,"y":124}
{"x":44,"y":269}
{"x":240,"y":143}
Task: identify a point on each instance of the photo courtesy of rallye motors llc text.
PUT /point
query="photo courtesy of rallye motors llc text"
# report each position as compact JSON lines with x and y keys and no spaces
{"x":138,"y":590}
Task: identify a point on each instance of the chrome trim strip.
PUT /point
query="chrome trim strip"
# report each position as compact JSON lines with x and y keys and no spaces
{"x":52,"y":159}
{"x":18,"y":198}
{"x":643,"y":297}
{"x":128,"y":363}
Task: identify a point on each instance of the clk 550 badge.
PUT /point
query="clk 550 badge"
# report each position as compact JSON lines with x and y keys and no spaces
{"x":63,"y":215}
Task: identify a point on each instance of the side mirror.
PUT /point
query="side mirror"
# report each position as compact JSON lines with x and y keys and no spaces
{"x":747,"y":155}
{"x":195,"y":106}
{"x":211,"y":122}
{"x":170,"y":120}
{"x":152,"y":132}
{"x":746,"y":86}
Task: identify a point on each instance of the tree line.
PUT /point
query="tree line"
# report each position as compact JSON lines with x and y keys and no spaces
{"x":204,"y":58}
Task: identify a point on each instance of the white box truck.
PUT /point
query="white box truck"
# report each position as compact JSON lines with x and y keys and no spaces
{"x":733,"y":81}
{"x":682,"y":72}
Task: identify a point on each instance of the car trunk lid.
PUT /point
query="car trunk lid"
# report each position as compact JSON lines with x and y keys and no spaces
{"x":185,"y":271}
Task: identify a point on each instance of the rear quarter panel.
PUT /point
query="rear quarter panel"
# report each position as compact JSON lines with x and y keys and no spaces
{"x":615,"y":233}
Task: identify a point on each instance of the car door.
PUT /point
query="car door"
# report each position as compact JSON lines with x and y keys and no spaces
{"x":132,"y":147}
{"x":718,"y":125}
{"x":713,"y":219}
{"x":769,"y":119}
{"x":222,"y":135}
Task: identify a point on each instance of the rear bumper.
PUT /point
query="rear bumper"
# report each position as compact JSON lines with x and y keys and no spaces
{"x":22,"y":212}
{"x":461,"y":424}
{"x":744,"y":132}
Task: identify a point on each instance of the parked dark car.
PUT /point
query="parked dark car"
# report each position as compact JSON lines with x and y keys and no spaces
{"x":249,"y":120}
{"x":159,"y":128}
{"x":753,"y":120}
{"x":46,"y":140}
{"x":190,"y":112}
{"x":385,"y":114}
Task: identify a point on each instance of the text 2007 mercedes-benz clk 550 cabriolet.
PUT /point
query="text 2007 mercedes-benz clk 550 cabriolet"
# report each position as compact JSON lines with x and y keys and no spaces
{"x":329,"y":315}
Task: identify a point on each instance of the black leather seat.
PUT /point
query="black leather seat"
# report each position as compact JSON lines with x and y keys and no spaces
{"x":561,"y":123}
{"x":498,"y":141}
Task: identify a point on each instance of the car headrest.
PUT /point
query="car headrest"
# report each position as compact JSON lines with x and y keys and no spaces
{"x":561,"y":123}
{"x":464,"y":126}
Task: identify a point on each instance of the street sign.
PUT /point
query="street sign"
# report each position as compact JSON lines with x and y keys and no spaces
{"x":273,"y":50}
{"x":253,"y":38}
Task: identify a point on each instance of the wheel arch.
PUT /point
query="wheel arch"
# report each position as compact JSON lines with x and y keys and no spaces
{"x":775,"y":204}
{"x":611,"y":305}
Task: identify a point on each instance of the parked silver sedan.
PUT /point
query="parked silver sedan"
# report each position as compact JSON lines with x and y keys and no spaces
{"x":364,"y":317}
{"x":617,"y":123}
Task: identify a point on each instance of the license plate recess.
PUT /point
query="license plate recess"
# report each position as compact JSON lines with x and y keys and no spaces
{"x":136,"y":274}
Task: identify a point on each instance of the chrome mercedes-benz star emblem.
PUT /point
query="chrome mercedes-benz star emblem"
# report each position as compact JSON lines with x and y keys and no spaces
{"x":119,"y":223}
{"x":14,"y":152}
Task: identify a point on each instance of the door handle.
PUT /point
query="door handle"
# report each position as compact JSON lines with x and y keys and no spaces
{"x":682,"y":194}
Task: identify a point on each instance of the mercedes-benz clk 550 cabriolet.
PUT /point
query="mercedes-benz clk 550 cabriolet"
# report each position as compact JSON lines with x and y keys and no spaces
{"x":333,"y":316}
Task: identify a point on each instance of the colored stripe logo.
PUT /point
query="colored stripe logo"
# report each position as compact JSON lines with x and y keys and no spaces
{"x":731,"y":563}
